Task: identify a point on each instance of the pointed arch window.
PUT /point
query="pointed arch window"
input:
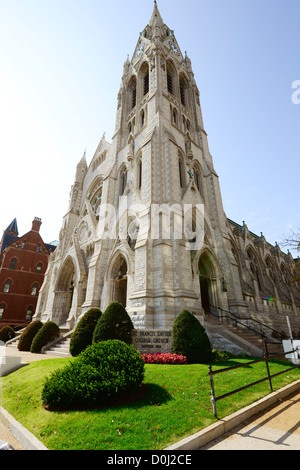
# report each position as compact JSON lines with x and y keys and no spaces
{"x":183,"y":86}
{"x":170,"y":83}
{"x":182,"y":94}
{"x":139,"y":173}
{"x":270,"y":270}
{"x":146,"y":83}
{"x":96,"y":198}
{"x":175,"y":116}
{"x":197,"y":178}
{"x":181,"y":172}
{"x":254,"y":267}
{"x":132,"y":91}
{"x":143,"y":118}
{"x":170,"y":78}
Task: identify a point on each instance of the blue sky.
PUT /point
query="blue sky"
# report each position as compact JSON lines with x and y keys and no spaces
{"x":61,"y":63}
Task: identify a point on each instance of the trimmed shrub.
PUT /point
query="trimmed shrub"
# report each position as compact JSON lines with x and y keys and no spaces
{"x":114,"y":323}
{"x":28,"y":334}
{"x":45,"y":335}
{"x":7,"y":333}
{"x":83,"y":333}
{"x":102,"y":373}
{"x":190,"y":339}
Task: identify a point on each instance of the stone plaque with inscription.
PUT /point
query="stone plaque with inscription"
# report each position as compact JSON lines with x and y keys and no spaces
{"x":152,"y":341}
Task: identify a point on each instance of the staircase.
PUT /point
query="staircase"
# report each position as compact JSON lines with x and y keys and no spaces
{"x":61,"y":348}
{"x":248,"y":339}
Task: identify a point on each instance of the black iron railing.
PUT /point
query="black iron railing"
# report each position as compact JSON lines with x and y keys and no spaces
{"x":238,"y":322}
{"x":268,"y":377}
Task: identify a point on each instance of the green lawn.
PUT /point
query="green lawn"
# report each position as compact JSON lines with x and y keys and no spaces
{"x":176,"y":405}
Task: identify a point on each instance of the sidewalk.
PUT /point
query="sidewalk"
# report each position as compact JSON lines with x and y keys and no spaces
{"x":270,"y":423}
{"x":276,"y":428}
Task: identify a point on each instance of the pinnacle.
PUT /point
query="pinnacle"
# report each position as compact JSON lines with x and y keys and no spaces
{"x":156,"y":19}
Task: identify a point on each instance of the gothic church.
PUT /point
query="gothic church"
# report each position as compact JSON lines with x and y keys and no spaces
{"x":146,"y":225}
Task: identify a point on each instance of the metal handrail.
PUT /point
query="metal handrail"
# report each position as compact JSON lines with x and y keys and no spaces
{"x":260,"y":333}
{"x":269,"y":377}
{"x":249,"y":318}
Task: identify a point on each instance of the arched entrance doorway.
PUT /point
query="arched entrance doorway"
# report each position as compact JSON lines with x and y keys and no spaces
{"x":64,"y":292}
{"x":119,"y":275}
{"x":206,"y":278}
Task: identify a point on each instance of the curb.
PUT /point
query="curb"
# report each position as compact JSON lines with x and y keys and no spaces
{"x":208,"y":434}
{"x":26,"y":438}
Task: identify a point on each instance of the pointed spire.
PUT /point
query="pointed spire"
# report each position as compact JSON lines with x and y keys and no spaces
{"x":12,"y":229}
{"x":83,"y":159}
{"x":81,"y":168}
{"x":156,"y":19}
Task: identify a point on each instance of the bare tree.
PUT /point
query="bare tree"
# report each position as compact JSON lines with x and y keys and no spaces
{"x":292,"y":241}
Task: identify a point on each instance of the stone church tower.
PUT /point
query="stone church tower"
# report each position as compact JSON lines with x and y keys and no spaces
{"x":145,"y":224}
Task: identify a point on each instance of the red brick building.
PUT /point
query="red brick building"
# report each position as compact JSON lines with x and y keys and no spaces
{"x":23,"y":263}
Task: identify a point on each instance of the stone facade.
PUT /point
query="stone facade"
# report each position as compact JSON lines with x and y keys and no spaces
{"x":146,"y":225}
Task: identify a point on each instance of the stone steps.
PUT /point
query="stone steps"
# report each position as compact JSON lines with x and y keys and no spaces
{"x":61,"y":349}
{"x":274,"y":346}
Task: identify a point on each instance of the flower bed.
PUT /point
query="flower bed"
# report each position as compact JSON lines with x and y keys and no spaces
{"x":164,"y":358}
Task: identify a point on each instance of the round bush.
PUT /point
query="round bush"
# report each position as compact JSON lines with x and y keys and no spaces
{"x":7,"y":333}
{"x":102,"y":373}
{"x":83,"y":333}
{"x":28,"y":334}
{"x":190,"y":339}
{"x":114,"y":323}
{"x":45,"y":335}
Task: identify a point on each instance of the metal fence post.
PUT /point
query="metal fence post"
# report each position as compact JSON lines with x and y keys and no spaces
{"x":213,"y":397}
{"x":268,"y":371}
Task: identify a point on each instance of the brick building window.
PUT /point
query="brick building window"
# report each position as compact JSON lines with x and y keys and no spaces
{"x":2,"y":309}
{"x":39,"y":268}
{"x":29,"y":313}
{"x":13,"y":264}
{"x":34,"y":289}
{"x":7,"y":286}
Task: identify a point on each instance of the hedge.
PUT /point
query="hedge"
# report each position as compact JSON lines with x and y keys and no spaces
{"x":83,"y":333}
{"x":190,"y":339}
{"x":102,"y":373}
{"x":114,"y":323}
{"x":49,"y":332}
{"x":28,"y":334}
{"x":7,"y":333}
